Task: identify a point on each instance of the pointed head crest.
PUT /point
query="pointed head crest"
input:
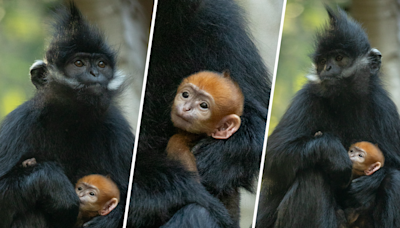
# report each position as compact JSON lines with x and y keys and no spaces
{"x":342,"y":33}
{"x":73,"y":34}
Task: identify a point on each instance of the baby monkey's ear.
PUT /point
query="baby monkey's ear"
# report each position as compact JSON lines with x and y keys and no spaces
{"x":109,"y":206}
{"x":227,"y":127}
{"x":373,"y":168}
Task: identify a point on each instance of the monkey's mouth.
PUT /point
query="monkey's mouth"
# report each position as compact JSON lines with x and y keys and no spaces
{"x":180,"y":121}
{"x":93,"y":85}
{"x":95,"y":88}
{"x":330,"y":81}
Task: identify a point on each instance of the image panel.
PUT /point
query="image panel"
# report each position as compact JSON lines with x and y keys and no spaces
{"x":204,"y":113}
{"x":332,"y":156}
{"x":71,"y":74}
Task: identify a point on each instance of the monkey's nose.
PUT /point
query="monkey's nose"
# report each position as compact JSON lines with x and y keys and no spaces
{"x":93,"y":73}
{"x":328,"y":68}
{"x":187,"y":108}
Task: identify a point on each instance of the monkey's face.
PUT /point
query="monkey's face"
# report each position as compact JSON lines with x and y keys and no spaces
{"x":88,"y":195}
{"x":333,"y":65}
{"x":358,"y":157}
{"x":92,"y":71}
{"x":337,"y":72}
{"x":192,"y":109}
{"x":85,"y":77}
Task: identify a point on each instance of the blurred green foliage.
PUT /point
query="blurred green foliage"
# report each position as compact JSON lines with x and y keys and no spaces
{"x":302,"y":19}
{"x":23,"y":28}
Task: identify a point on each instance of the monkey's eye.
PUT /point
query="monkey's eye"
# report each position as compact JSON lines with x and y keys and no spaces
{"x":78,"y":63}
{"x":92,"y":194}
{"x":351,"y":151}
{"x":339,"y":58}
{"x":204,"y":105}
{"x":79,"y":188}
{"x":101,"y":64}
{"x":185,"y":94}
{"x":322,"y":61}
{"x":360,"y":155}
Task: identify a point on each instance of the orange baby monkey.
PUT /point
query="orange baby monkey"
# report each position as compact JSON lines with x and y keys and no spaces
{"x":367,"y":158}
{"x":98,"y":195}
{"x":206,"y":104}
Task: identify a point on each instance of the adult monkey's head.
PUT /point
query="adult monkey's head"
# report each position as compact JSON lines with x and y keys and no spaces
{"x":78,"y":63}
{"x":343,"y":56}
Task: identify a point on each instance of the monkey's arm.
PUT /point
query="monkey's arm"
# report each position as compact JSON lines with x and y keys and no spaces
{"x":14,"y":131}
{"x":365,"y":193}
{"x":113,"y":219}
{"x":293,"y":145}
{"x":200,"y":217}
{"x":178,"y":149}
{"x":227,"y":164}
{"x":25,"y":189}
{"x":168,"y":195}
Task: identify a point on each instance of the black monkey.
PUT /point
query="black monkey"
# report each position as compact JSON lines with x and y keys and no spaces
{"x":304,"y":173}
{"x":190,"y":36}
{"x":72,"y":127}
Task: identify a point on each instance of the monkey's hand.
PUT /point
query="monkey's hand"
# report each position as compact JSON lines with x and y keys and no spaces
{"x":29,"y":162}
{"x":318,"y":133}
{"x":333,"y":159}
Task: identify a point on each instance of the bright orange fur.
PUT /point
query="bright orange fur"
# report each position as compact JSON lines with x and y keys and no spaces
{"x":374,"y":153}
{"x":106,"y":186}
{"x":225,"y":100}
{"x":226,"y":93}
{"x":373,"y":160}
{"x":107,"y":194}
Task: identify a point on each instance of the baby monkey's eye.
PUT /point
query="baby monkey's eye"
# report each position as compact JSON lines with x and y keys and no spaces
{"x":339,"y":58}
{"x":185,"y":94}
{"x":79,"y":188}
{"x":360,"y":155}
{"x":204,"y":105}
{"x":92,"y":193}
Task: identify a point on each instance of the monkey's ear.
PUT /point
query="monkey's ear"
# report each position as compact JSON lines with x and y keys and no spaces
{"x":227,"y":127}
{"x":109,"y":206}
{"x":372,"y":168}
{"x":375,"y":57}
{"x":38,"y":72}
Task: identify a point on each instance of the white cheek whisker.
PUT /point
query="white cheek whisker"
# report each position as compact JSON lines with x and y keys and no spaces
{"x":117,"y":81}
{"x":312,"y":76}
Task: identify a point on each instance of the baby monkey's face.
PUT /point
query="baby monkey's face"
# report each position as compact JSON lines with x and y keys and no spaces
{"x":88,"y":195}
{"x":357,"y":155}
{"x":366,"y":158}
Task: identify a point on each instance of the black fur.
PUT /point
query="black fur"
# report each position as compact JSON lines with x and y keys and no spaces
{"x":71,"y":131}
{"x":190,"y":36}
{"x":165,"y":194}
{"x":305,"y":175}
{"x":72,"y":34}
{"x":335,"y":36}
